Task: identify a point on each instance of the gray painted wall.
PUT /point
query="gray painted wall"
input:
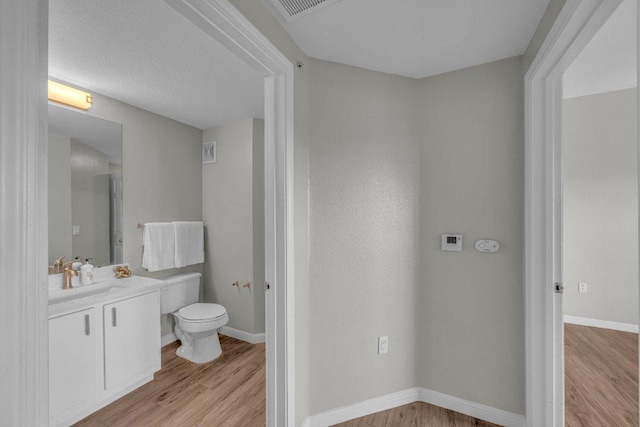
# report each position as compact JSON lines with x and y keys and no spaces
{"x":233,"y":213}
{"x":470,"y":329}
{"x":161,"y":161}
{"x":366,"y":136}
{"x":161,"y":172}
{"x":600,"y":217}
{"x":366,"y":280}
{"x":59,"y":202}
{"x":364,"y":159}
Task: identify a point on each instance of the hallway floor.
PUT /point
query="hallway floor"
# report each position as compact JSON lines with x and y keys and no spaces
{"x":416,"y":414}
{"x":601,"y":377}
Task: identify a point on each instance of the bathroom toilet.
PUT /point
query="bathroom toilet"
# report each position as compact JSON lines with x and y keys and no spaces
{"x":197,"y":323}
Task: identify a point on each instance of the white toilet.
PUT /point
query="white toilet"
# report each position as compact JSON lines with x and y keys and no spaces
{"x":196,"y":323}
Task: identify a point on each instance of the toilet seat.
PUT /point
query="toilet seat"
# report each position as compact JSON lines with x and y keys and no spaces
{"x":201,"y":317}
{"x":202,"y":312}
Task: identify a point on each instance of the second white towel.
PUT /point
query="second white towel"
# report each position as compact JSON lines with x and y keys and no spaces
{"x":189,"y":247}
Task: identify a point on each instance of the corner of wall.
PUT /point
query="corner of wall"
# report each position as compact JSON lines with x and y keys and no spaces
{"x":472,"y":154}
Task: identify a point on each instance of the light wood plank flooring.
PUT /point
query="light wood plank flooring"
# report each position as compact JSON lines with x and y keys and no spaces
{"x":226,"y":392}
{"x":416,"y":415}
{"x":601,"y":377}
{"x":601,"y":389}
{"x":230,"y":392}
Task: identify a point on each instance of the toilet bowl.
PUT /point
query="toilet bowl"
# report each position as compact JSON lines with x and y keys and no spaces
{"x":197,"y":323}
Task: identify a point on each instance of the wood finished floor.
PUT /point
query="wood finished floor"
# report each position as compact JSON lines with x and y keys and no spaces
{"x":601,"y":389}
{"x":601,"y":377}
{"x":416,"y":414}
{"x":227,"y":392}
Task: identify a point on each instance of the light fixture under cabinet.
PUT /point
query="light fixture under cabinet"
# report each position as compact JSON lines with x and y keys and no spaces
{"x":70,"y":96}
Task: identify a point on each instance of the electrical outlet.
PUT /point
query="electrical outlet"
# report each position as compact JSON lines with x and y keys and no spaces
{"x":582,"y":287}
{"x":383,"y":345}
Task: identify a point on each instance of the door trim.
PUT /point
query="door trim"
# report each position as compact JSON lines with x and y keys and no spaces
{"x":577,"y":23}
{"x":227,"y":25}
{"x":23,"y":202}
{"x":24,"y":375}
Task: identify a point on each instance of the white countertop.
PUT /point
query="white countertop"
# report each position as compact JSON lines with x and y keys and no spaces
{"x":109,"y":289}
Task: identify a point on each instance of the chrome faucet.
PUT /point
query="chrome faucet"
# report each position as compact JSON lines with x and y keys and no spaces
{"x":69,"y":273}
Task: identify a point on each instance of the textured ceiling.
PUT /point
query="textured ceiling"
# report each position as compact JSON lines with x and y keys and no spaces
{"x":417,"y":38}
{"x":609,"y":62}
{"x":145,"y":54}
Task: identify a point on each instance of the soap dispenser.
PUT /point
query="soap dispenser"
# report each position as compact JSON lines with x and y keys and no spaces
{"x":86,"y":273}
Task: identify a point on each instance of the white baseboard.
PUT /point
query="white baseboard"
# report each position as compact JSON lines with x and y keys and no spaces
{"x":472,"y":409}
{"x":361,"y":409}
{"x":168,"y":339}
{"x":585,"y":321}
{"x":405,"y":397}
{"x":242,"y":335}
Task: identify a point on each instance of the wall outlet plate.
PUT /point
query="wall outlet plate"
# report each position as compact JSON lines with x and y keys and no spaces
{"x":383,"y":345}
{"x":583,"y":287}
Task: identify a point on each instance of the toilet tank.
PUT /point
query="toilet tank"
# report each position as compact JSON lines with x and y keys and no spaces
{"x":180,"y":290}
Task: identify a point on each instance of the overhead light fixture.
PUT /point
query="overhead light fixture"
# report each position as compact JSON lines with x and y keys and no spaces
{"x":68,"y":95}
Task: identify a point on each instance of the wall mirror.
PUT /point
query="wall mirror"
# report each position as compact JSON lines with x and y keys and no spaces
{"x":85,"y":187}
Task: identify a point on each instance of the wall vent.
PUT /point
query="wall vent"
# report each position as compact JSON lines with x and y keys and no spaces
{"x":291,"y":10}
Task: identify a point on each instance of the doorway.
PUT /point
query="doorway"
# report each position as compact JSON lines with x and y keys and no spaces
{"x":24,"y":226}
{"x":600,"y":226}
{"x":576,"y":24}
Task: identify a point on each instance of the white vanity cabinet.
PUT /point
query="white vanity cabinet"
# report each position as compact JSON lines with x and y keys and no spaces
{"x":73,"y":349}
{"x":131,"y":337}
{"x":102,"y":345}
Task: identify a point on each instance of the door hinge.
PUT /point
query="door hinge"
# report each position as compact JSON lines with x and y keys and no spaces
{"x":558,"y":288}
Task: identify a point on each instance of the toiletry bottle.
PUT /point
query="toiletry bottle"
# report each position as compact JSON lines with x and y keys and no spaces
{"x":77,"y":263}
{"x":86,"y":273}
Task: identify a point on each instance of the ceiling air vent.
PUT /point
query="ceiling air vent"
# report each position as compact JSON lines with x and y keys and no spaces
{"x":294,"y":9}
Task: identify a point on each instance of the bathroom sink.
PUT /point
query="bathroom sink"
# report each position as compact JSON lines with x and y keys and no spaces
{"x":105,"y":289}
{"x":66,"y":295}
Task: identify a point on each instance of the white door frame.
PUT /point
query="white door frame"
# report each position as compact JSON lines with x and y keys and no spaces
{"x":223,"y":22}
{"x":23,"y":202}
{"x":577,"y":23}
{"x":23,"y":219}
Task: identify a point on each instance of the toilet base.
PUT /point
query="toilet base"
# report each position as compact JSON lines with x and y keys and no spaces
{"x":198,"y":347}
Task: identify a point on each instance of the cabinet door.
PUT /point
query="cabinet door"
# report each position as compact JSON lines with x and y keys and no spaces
{"x":72,"y":360}
{"x":131,"y":338}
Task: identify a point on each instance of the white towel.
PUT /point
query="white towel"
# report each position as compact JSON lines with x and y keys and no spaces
{"x":189,"y":243}
{"x":159,"y":240}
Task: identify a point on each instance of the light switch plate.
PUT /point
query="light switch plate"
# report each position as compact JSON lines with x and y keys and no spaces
{"x":75,"y":230}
